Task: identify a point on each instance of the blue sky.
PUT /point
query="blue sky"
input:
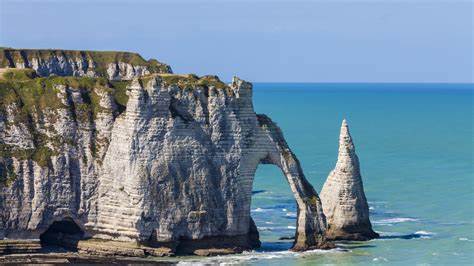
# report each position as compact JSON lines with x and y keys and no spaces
{"x":262,"y":40}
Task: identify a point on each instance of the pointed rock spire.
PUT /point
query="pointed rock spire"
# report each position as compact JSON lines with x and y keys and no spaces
{"x":343,"y":198}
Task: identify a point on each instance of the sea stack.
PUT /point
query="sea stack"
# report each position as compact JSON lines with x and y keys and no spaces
{"x":343,"y":197}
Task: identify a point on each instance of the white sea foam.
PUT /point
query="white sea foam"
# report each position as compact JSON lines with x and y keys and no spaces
{"x":275,"y":228}
{"x":395,"y":220}
{"x":290,"y":214}
{"x":425,"y":233}
{"x":465,"y":239}
{"x":259,"y":210}
{"x":254,"y":256}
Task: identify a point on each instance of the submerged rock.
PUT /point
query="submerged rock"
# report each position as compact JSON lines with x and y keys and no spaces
{"x":343,"y":197}
{"x":164,"y":160}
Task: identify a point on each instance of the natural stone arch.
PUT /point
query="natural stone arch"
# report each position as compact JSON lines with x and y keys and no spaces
{"x":311,"y":222}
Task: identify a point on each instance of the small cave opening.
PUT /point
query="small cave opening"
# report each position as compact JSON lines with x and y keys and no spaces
{"x":65,"y":233}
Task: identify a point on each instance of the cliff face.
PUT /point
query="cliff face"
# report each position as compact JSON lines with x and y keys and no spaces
{"x":111,"y":65}
{"x":343,"y":197}
{"x":165,"y":160}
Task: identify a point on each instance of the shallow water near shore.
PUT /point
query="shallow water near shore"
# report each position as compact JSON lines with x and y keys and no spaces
{"x":415,"y":144}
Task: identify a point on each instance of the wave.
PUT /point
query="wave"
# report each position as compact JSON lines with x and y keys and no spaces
{"x":465,"y":239}
{"x":424,"y":233}
{"x":276,"y":228}
{"x":417,"y":234}
{"x":395,"y":220}
{"x":380,"y":259}
{"x":260,"y":210}
{"x":269,"y":251}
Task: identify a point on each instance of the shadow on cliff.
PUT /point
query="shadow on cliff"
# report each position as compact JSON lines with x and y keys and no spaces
{"x":65,"y":234}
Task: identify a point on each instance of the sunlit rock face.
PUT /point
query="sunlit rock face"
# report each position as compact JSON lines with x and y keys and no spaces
{"x":343,"y":197}
{"x":107,"y":64}
{"x":171,"y":163}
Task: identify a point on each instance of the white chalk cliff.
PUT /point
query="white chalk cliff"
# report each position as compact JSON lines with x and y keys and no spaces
{"x":161,"y":159}
{"x":343,"y":197}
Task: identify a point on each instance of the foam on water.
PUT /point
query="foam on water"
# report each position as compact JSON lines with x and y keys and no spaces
{"x":255,"y":256}
{"x":260,"y":210}
{"x":395,"y":220}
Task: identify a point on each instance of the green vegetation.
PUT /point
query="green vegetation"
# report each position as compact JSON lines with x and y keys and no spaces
{"x":36,"y":99}
{"x":31,"y":100}
{"x":18,"y":74}
{"x":7,"y":174}
{"x":192,"y":81}
{"x":120,"y":91}
{"x":100,"y":58}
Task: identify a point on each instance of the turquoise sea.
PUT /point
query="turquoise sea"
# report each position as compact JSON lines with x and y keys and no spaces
{"x":415,"y":144}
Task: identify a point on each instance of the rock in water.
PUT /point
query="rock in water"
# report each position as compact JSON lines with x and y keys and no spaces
{"x":157,"y":158}
{"x":343,"y":197}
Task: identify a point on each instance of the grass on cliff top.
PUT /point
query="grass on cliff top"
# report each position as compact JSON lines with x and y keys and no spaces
{"x":17,"y":74}
{"x":33,"y":97}
{"x":100,"y":58}
{"x":192,"y":81}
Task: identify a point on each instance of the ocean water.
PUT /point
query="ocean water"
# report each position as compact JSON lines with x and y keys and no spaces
{"x":415,"y":145}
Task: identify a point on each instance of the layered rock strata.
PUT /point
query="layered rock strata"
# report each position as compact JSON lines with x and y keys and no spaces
{"x":111,"y":65}
{"x":343,"y":197}
{"x":163,"y":160}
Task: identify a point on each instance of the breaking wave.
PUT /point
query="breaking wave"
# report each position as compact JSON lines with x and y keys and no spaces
{"x":269,"y":251}
{"x":417,"y":234}
{"x":395,"y":220}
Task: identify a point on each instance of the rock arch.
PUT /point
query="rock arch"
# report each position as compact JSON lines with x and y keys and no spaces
{"x":311,"y":222}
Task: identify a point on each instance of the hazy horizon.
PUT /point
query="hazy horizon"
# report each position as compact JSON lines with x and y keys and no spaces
{"x":262,"y":41}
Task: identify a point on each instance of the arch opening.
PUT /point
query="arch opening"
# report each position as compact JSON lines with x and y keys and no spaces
{"x":64,"y":233}
{"x":273,"y":208}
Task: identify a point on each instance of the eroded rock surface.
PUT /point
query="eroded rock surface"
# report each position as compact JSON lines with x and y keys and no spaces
{"x":170,"y":164}
{"x":343,"y":198}
{"x":111,"y":65}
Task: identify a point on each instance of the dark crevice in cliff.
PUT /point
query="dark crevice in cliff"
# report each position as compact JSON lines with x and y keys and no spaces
{"x":85,"y":62}
{"x":9,"y":58}
{"x":177,"y":112}
{"x":24,"y":56}
{"x":65,"y":233}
